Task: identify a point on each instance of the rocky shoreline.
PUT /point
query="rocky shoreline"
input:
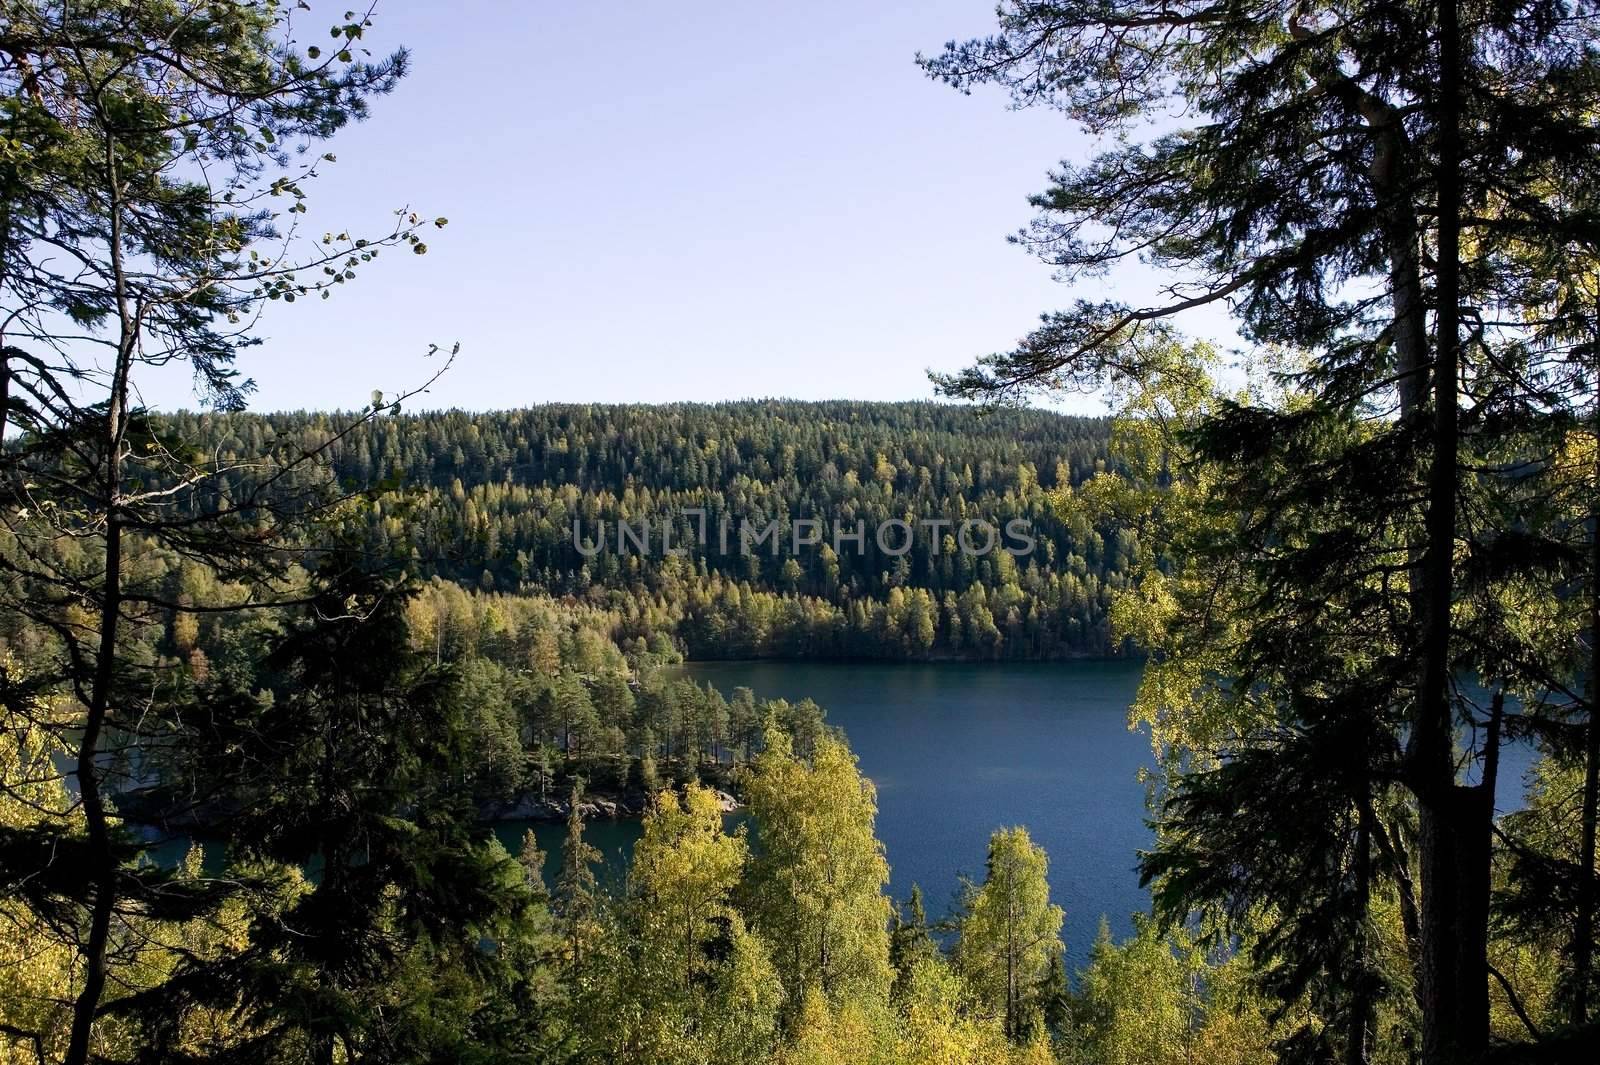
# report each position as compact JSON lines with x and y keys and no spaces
{"x":599,"y":806}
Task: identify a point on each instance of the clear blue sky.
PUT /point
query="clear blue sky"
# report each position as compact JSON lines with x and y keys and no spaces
{"x":669,"y":201}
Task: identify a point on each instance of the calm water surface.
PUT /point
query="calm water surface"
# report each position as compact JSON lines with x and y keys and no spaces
{"x":958,"y":750}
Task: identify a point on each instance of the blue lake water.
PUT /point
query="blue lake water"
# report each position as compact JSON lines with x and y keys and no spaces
{"x":958,"y":750}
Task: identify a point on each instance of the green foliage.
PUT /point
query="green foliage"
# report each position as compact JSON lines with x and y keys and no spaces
{"x":1157,"y":1000}
{"x":910,"y":940}
{"x":1394,"y":201}
{"x":151,"y":156}
{"x":688,"y":982}
{"x":1010,"y":932}
{"x":578,"y":901}
{"x":350,"y":772}
{"x":818,"y":878}
{"x":1536,"y":883}
{"x":489,"y":500}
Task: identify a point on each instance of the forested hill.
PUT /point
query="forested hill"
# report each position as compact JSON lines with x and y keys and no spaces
{"x":490,"y":500}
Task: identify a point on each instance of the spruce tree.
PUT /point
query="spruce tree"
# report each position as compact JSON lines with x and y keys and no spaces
{"x":1396,"y":197}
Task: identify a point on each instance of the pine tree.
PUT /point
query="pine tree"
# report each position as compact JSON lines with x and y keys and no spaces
{"x":1438,"y":158}
{"x":532,"y":859}
{"x":577,"y":893}
{"x":352,"y":769}
{"x":909,"y":939}
{"x":147,"y":150}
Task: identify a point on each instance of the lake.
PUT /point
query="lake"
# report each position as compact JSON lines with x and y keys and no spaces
{"x":957,"y":750}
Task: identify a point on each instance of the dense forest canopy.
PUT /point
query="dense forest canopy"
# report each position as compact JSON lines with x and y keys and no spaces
{"x":336,"y":645}
{"x":491,"y":500}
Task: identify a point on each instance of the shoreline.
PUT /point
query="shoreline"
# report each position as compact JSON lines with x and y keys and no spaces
{"x":947,"y":660}
{"x":598,"y":806}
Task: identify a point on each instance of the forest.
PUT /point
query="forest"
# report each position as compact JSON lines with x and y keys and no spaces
{"x":490,"y":501}
{"x":1357,"y":558}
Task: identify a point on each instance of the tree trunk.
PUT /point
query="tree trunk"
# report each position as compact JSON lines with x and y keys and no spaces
{"x":1355,"y":1051}
{"x":108,"y":496}
{"x":1011,"y":987}
{"x":1583,"y":925}
{"x":1410,"y":329}
{"x":1399,"y":859}
{"x":104,"y":873}
{"x":1582,"y":949}
{"x":1454,"y":820}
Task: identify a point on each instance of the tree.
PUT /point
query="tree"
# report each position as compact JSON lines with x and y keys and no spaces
{"x":1539,"y":880}
{"x":744,"y":723}
{"x":614,"y":699}
{"x":498,"y":761}
{"x":151,"y":147}
{"x":909,"y":938}
{"x":354,"y":766}
{"x":1010,"y":931}
{"x":712,"y":728}
{"x":936,"y":1024}
{"x":576,"y":715}
{"x":1397,"y":194}
{"x":1157,"y":1000}
{"x":684,"y":871}
{"x":692,"y":983}
{"x":38,"y":964}
{"x":746,"y":996}
{"x":1133,"y":1006}
{"x":817,"y":881}
{"x":564,"y":462}
{"x":531,"y":858}
{"x":577,"y":889}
